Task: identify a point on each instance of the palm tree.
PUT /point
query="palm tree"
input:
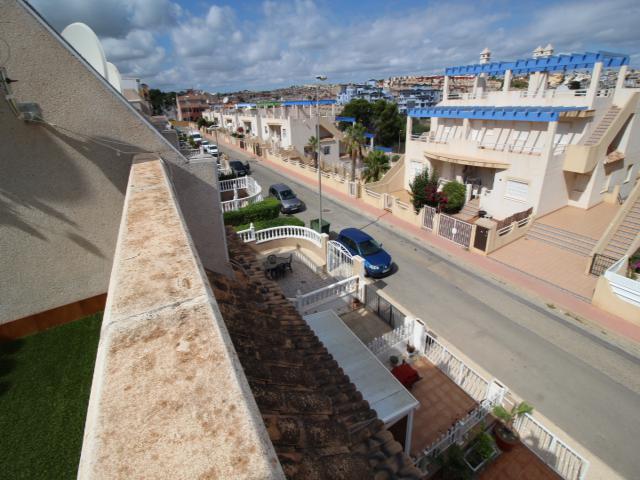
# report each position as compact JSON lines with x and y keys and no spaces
{"x":376,"y":165}
{"x":312,"y":143}
{"x":355,"y":139}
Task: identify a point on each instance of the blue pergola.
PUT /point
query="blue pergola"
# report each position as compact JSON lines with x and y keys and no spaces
{"x":527,"y":114}
{"x":574,"y":61}
{"x":370,"y":135}
{"x":346,"y":119}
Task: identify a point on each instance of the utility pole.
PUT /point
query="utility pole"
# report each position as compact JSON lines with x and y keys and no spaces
{"x":320,"y":78}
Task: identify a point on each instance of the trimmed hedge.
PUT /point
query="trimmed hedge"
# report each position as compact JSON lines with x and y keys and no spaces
{"x":274,"y":222}
{"x":455,"y":193}
{"x":265,"y":210}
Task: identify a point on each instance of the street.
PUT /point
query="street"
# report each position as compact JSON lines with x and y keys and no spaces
{"x":585,"y":385}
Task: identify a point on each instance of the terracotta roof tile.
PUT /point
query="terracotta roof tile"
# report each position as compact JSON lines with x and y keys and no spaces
{"x":318,"y":422}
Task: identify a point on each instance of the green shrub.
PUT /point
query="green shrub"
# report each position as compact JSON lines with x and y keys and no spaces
{"x":455,"y":193}
{"x":264,"y":210}
{"x":226,"y":176}
{"x":418,"y":190}
{"x":274,"y":222}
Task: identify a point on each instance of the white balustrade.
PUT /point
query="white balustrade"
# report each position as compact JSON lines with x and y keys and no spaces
{"x":253,"y":188}
{"x":288,"y":231}
{"x":321,"y":295}
{"x":379,"y":346}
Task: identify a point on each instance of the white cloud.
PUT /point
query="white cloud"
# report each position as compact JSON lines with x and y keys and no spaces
{"x":291,"y":42}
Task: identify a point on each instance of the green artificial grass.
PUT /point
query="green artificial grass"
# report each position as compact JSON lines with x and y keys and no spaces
{"x":45,"y":380}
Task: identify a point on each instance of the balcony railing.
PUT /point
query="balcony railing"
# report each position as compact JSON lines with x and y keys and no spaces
{"x":253,"y":189}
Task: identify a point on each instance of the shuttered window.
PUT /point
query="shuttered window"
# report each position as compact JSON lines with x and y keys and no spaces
{"x":517,"y":189}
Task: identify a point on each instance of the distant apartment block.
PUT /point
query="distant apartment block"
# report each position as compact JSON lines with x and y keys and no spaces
{"x":407,"y":97}
{"x":191,"y":105}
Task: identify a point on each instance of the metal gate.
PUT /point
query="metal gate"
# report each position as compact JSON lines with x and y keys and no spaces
{"x":384,"y":309}
{"x":480,"y":240}
{"x":455,"y":230}
{"x":387,"y":201}
{"x":429,"y":216}
{"x":339,"y":260}
{"x":600,"y":263}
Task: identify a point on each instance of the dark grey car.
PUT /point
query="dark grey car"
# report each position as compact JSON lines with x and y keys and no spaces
{"x":288,"y":200}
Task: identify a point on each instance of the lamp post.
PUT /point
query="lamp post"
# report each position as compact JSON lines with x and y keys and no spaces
{"x":320,"y":78}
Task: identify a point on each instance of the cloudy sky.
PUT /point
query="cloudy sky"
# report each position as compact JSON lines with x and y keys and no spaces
{"x":224,"y":46}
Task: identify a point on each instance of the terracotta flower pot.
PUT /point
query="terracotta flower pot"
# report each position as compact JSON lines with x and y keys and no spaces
{"x":506,"y":438}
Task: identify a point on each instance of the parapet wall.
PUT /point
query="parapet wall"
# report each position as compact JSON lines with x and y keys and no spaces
{"x":169,"y":397}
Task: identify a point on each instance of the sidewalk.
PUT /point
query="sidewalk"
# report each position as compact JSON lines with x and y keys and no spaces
{"x":577,"y":309}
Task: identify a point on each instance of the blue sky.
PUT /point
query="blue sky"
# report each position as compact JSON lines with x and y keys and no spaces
{"x":224,"y":46}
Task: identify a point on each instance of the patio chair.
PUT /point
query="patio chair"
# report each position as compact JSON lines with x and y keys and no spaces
{"x":288,"y":265}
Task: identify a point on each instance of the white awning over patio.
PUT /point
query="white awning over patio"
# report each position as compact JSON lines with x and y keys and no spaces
{"x":385,"y":394}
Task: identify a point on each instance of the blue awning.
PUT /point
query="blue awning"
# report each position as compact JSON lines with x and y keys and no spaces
{"x":527,"y":114}
{"x":574,"y":61}
{"x":290,"y":103}
{"x":370,"y":135}
{"x":384,"y":149}
{"x":346,"y":119}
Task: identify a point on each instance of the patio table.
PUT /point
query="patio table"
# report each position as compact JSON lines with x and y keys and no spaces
{"x":406,"y":375}
{"x":275,"y":266}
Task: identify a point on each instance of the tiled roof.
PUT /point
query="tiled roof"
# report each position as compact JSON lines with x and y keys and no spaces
{"x":318,"y":422}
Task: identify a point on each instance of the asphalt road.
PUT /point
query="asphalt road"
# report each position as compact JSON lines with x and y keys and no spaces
{"x":588,"y":387}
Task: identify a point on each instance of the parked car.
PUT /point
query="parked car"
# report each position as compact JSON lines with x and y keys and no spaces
{"x":289,"y":202}
{"x":210,"y":148}
{"x":377,"y":262}
{"x":240,"y":169}
{"x":196,"y":137}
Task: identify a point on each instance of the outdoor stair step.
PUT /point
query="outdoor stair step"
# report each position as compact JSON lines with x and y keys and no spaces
{"x":619,"y":243}
{"x":564,"y":234}
{"x":583,"y":252}
{"x":624,"y":236}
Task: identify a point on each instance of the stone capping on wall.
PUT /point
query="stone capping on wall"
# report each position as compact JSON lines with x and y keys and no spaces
{"x":169,"y":397}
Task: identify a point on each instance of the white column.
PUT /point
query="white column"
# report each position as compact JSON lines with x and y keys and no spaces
{"x":407,"y":436}
{"x":595,"y":80}
{"x":445,"y":88}
{"x":551,"y":133}
{"x":507,"y":81}
{"x":622,"y":73}
{"x":409,"y":129}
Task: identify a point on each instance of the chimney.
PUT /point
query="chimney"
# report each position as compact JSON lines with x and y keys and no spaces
{"x":485,"y":56}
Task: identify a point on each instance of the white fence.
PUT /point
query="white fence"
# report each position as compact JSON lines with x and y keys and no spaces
{"x":339,"y":260}
{"x":253,"y":189}
{"x":455,"y":230}
{"x":275,"y":233}
{"x":379,"y":346}
{"x":462,"y":375}
{"x":550,"y":449}
{"x":627,"y":289}
{"x":330,"y":292}
{"x":509,"y":228}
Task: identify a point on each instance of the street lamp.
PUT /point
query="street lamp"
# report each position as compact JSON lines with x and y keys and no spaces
{"x":320,"y":78}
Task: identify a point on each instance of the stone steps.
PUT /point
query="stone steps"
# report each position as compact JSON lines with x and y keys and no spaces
{"x":564,"y":239}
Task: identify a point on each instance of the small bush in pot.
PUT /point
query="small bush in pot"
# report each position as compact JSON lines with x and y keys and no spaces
{"x":482,"y":450}
{"x":394,"y":360}
{"x":506,"y":435}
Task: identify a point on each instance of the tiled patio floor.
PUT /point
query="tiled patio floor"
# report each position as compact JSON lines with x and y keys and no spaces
{"x":590,"y":223}
{"x":442,"y":403}
{"x":549,"y":263}
{"x":518,"y":464}
{"x":365,"y":324}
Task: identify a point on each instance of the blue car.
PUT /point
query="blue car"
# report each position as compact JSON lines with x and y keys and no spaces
{"x":377,"y":262}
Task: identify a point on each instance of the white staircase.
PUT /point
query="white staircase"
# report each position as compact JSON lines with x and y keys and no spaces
{"x":603,"y":126}
{"x":627,"y":231}
{"x":564,"y":239}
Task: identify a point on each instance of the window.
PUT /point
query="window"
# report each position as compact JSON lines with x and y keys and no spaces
{"x":326,"y":150}
{"x":517,"y":189}
{"x":629,"y":172}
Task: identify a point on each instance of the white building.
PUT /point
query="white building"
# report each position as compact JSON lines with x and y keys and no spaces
{"x":284,"y":125}
{"x":541,"y":147}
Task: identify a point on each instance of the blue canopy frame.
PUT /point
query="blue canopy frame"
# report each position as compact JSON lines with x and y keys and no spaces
{"x":527,"y":114}
{"x":574,"y":61}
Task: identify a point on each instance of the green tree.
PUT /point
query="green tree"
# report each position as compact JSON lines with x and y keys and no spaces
{"x":312,"y":145}
{"x":455,"y":193}
{"x":361,"y":110}
{"x":376,"y":165}
{"x":418,"y":189}
{"x":355,"y":140}
{"x":161,"y":101}
{"x":388,"y":124}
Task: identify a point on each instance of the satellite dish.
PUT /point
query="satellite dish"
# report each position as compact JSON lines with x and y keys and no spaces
{"x":113,"y":75}
{"x":86,"y":43}
{"x":225,"y":100}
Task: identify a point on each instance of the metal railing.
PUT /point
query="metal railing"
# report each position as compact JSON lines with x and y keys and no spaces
{"x":600,"y":263}
{"x":509,"y":228}
{"x":429,"y":217}
{"x":550,"y":449}
{"x":324,"y":294}
{"x":339,"y":260}
{"x":382,"y":344}
{"x":253,"y":189}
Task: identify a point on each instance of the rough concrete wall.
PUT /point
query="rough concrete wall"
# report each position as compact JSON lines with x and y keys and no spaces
{"x":62,"y":187}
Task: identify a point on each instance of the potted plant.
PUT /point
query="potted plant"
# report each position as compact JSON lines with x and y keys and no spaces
{"x":394,"y":360}
{"x":481,"y":451}
{"x":410,"y":348}
{"x":506,"y":436}
{"x":452,"y":465}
